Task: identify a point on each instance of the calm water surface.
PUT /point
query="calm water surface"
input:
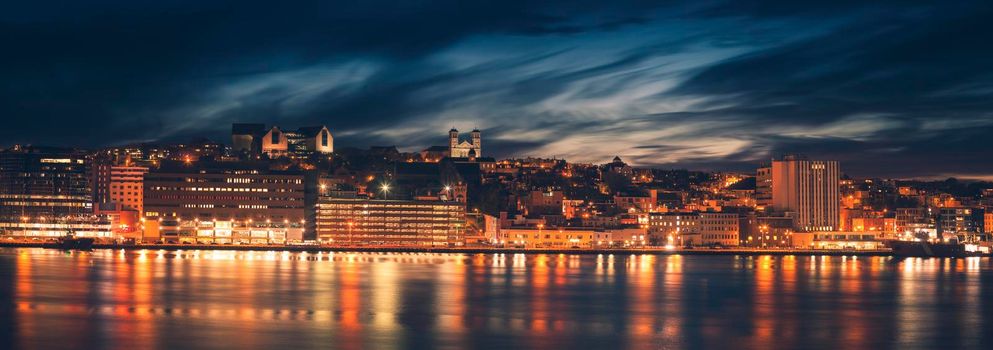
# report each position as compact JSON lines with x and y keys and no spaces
{"x":235,"y":300}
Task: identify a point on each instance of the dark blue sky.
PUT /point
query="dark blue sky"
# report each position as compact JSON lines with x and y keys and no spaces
{"x":890,"y":88}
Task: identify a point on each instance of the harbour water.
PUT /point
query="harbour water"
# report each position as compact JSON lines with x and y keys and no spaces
{"x":188,"y":299}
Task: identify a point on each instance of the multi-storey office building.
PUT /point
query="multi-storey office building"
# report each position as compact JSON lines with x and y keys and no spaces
{"x":809,"y":191}
{"x":350,"y":221}
{"x":113,"y":184}
{"x":223,"y":203}
{"x":45,"y":192}
{"x":717,"y":229}
{"x":966,"y":223}
{"x":696,"y":228}
{"x":669,"y":228}
{"x":911,"y":220}
{"x":763,"y":187}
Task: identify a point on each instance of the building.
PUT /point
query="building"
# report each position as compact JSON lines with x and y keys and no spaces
{"x":46,"y":192}
{"x":835,"y":240}
{"x":301,"y":142}
{"x":763,"y":187}
{"x":960,"y":221}
{"x":669,"y":228}
{"x":885,"y":226}
{"x":910,"y":220}
{"x":247,"y":138}
{"x":807,"y":190}
{"x":636,"y":202}
{"x":223,"y":203}
{"x":715,"y":229}
{"x":308,"y":140}
{"x":766,"y":231}
{"x":694,"y":229}
{"x":274,"y":142}
{"x":124,"y":222}
{"x":988,"y":222}
{"x":618,"y":166}
{"x":539,"y":236}
{"x":543,"y":203}
{"x":471,"y":148}
{"x":119,"y":184}
{"x":357,"y":221}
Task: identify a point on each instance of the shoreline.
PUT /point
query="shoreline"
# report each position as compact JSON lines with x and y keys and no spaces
{"x":468,"y":250}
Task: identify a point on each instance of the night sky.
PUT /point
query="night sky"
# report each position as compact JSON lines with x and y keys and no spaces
{"x":901,"y":88}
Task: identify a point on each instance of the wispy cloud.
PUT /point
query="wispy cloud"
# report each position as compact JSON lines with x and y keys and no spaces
{"x":882,"y":86}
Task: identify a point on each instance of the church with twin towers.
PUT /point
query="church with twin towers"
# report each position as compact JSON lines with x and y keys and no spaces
{"x":471,"y":148}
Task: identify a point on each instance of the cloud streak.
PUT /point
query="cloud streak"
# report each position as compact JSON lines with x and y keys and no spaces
{"x":883,"y":87}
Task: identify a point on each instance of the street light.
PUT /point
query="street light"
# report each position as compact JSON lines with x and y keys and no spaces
{"x":385,"y":188}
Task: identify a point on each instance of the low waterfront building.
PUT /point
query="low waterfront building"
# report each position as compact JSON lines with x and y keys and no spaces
{"x":223,"y":203}
{"x":540,"y":237}
{"x":836,"y":240}
{"x":359,"y":221}
{"x":572,"y":237}
{"x":766,"y":231}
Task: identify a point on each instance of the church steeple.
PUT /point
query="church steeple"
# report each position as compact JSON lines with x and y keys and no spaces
{"x":453,"y":141}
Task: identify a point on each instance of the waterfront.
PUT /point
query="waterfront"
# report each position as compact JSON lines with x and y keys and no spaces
{"x":258,"y":299}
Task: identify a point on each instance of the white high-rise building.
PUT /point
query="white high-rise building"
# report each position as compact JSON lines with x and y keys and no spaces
{"x":808,"y":191}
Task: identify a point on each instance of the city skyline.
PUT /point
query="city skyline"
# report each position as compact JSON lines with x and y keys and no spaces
{"x":716,"y":85}
{"x":451,"y":174}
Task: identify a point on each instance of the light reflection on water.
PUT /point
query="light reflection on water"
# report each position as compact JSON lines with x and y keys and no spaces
{"x":232,"y":299}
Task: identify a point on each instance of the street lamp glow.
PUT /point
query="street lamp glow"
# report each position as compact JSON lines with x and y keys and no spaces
{"x":385,"y":187}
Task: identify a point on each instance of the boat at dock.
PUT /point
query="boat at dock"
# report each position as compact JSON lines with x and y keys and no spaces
{"x":78,"y":243}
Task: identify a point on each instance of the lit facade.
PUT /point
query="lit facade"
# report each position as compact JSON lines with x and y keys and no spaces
{"x":961,"y":221}
{"x":909,"y":220}
{"x":808,"y":190}
{"x":301,"y":142}
{"x":836,"y":240}
{"x":120,"y":185}
{"x":349,"y":221}
{"x":46,"y":192}
{"x":471,"y":148}
{"x":538,"y":237}
{"x":766,"y":231}
{"x":571,"y":237}
{"x":224,"y":204}
{"x":695,"y":229}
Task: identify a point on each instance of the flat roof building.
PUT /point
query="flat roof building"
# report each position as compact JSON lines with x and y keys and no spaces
{"x":223,"y":203}
{"x":350,"y":221}
{"x":809,"y":190}
{"x":45,"y":192}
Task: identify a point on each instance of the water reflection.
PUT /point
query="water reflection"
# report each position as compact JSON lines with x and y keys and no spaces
{"x":224,"y":299}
